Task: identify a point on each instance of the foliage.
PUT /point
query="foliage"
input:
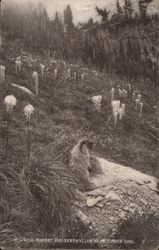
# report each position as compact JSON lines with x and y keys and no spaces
{"x":119,"y":9}
{"x":36,"y":201}
{"x":95,"y":44}
{"x":143,"y":4}
{"x":143,"y":229}
{"x":68,"y":18}
{"x":103,"y":13}
{"x":128,"y":10}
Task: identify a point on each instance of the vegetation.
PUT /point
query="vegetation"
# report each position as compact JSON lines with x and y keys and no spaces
{"x":124,"y":42}
{"x":37,"y":195}
{"x":142,"y":234}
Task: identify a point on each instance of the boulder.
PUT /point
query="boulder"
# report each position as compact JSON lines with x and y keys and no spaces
{"x":123,"y":196}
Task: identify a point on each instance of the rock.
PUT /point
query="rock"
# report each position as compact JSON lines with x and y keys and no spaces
{"x":123,"y":196}
{"x":113,"y":196}
{"x":140,"y":211}
{"x":84,"y":218}
{"x":126,"y":177}
{"x":122,"y":215}
{"x":143,"y":201}
{"x":126,"y":208}
{"x":132,"y":210}
{"x":153,"y":210}
{"x":23,"y":89}
{"x":108,"y":203}
{"x":133,"y":205}
{"x":111,"y":218}
{"x":93,"y":201}
{"x":97,"y":192}
{"x":100,"y":205}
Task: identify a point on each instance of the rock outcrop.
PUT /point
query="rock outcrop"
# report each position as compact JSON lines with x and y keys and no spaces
{"x":122,"y":194}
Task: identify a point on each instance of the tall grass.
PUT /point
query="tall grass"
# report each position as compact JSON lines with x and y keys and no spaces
{"x":142,"y":230}
{"x":36,"y":199}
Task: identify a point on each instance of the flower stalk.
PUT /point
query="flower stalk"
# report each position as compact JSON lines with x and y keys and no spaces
{"x":28,"y":111}
{"x":10,"y":102}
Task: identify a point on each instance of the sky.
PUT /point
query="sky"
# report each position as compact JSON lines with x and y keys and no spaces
{"x":82,"y":9}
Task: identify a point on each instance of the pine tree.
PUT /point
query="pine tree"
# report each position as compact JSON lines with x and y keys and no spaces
{"x":57,"y":20}
{"x":104,"y":13}
{"x":128,"y":10}
{"x":119,"y":8}
{"x":90,"y":22}
{"x":143,"y":4}
{"x":68,"y":17}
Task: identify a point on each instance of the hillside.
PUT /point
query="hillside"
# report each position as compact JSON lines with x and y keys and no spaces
{"x":63,"y":115}
{"x":65,"y":112}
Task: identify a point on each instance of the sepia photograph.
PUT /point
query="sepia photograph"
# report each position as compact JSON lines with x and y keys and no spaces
{"x":79,"y":124}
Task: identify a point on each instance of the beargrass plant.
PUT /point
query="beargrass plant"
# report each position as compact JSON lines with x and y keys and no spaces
{"x":10,"y":102}
{"x":28,"y":111}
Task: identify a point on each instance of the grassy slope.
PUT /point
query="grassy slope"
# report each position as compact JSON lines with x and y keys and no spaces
{"x":63,"y":115}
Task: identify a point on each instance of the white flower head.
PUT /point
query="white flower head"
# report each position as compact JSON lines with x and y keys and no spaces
{"x":28,"y":110}
{"x":10,"y":102}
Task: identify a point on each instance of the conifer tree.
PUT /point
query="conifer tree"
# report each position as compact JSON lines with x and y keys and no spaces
{"x":68,"y":17}
{"x":119,"y":8}
{"x":143,"y":4}
{"x":128,"y":10}
{"x":104,"y":13}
